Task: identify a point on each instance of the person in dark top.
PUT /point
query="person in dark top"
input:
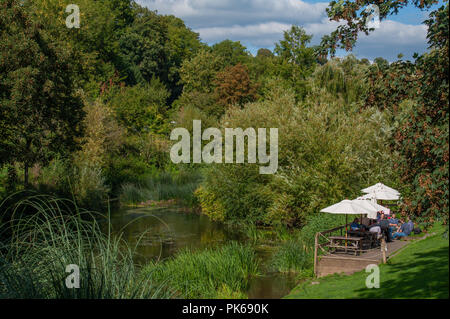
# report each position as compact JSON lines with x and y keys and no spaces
{"x":379,"y":215}
{"x":355,"y":225}
{"x":405,"y":230}
{"x":384,"y":225}
{"x":394,"y":223}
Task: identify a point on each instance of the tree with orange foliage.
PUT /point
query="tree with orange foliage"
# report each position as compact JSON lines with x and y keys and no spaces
{"x":234,"y":87}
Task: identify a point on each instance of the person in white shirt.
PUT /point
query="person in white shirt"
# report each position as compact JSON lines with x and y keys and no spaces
{"x":375,"y":229}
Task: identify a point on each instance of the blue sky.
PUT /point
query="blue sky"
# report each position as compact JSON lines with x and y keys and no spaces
{"x":260,"y":23}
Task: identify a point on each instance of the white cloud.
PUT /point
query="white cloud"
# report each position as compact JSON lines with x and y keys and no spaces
{"x":264,"y":34}
{"x":391,"y":39}
{"x":260,"y":23}
{"x":207,"y":13}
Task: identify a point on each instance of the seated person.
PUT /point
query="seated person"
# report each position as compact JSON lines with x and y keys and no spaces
{"x":393,"y":223}
{"x":405,"y":230}
{"x":355,"y":225}
{"x":379,"y":215}
{"x":375,"y":228}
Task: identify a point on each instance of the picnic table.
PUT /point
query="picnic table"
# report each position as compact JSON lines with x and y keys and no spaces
{"x":346,"y":243}
{"x":370,"y":239}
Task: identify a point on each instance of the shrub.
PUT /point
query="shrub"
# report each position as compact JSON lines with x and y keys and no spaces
{"x":211,"y":207}
{"x":328,"y":151}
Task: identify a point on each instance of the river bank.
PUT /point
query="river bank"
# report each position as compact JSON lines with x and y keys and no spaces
{"x":419,"y":270}
{"x":161,"y":234}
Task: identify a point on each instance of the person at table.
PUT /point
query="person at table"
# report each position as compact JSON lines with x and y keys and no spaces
{"x":375,"y":228}
{"x":394,"y":223}
{"x":355,"y":225}
{"x":405,"y":230}
{"x":379,"y":216}
{"x":384,"y":225}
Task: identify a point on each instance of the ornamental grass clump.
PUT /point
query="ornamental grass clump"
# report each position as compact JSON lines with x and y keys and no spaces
{"x":44,"y":235}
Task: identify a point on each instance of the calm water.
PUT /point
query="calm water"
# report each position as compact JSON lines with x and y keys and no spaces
{"x":163,"y":231}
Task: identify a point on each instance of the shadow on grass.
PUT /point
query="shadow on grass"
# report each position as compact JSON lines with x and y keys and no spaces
{"x":427,"y":277}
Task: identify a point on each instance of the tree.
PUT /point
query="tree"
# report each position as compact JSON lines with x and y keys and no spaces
{"x":264,"y":53}
{"x":182,"y":44}
{"x":422,"y":137}
{"x":234,"y":86}
{"x":294,"y":48}
{"x":40,"y":112}
{"x":141,"y":108}
{"x":381,"y":63}
{"x":198,"y":73}
{"x":232,"y":52}
{"x":102,"y":22}
{"x":355,"y":16}
{"x":142,"y":48}
{"x":297,"y":60}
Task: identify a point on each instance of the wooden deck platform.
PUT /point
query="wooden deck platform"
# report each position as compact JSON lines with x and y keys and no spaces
{"x":349,"y":263}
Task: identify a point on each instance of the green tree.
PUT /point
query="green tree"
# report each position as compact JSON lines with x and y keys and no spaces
{"x":142,"y":48}
{"x":141,"y":108}
{"x":355,"y":17}
{"x":423,"y":136}
{"x":381,"y":63}
{"x":96,"y":41}
{"x":264,"y":53}
{"x":182,"y":44}
{"x":423,"y":139}
{"x":232,"y":52}
{"x":198,"y":73}
{"x":293,"y":48}
{"x":320,"y":159}
{"x":40,"y":111}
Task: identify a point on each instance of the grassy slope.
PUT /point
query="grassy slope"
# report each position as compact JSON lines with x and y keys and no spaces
{"x":420,"y":270}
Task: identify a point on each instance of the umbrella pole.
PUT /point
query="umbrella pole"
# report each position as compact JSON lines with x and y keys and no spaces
{"x":346,"y":233}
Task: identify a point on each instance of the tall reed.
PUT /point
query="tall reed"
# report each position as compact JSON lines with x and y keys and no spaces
{"x":164,"y":186}
{"x":208,"y":273}
{"x":291,"y":257}
{"x":45,"y":235}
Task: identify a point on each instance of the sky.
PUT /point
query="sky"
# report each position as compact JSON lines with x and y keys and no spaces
{"x":260,"y":24}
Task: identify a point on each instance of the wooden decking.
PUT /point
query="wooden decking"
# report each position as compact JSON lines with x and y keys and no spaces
{"x":348,"y":263}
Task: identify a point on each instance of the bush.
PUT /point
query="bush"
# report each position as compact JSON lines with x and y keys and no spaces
{"x":316,"y":223}
{"x":211,"y":207}
{"x":89,"y":186}
{"x":328,"y":151}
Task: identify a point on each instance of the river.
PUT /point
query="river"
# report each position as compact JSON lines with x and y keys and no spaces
{"x":164,"y":231}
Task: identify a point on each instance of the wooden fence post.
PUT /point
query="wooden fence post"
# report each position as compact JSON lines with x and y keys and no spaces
{"x":383,"y":249}
{"x":316,"y":246}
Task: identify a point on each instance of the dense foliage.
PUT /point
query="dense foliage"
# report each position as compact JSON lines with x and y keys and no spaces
{"x":328,"y":151}
{"x":87,"y":112}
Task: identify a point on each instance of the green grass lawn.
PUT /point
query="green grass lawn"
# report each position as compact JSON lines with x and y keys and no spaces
{"x":420,"y":270}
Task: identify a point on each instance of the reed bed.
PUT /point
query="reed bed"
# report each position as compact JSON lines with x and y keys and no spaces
{"x":165,"y":186}
{"x":210,"y":273}
{"x":291,"y":257}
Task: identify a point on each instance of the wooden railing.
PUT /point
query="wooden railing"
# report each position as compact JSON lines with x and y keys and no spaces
{"x":321,"y":241}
